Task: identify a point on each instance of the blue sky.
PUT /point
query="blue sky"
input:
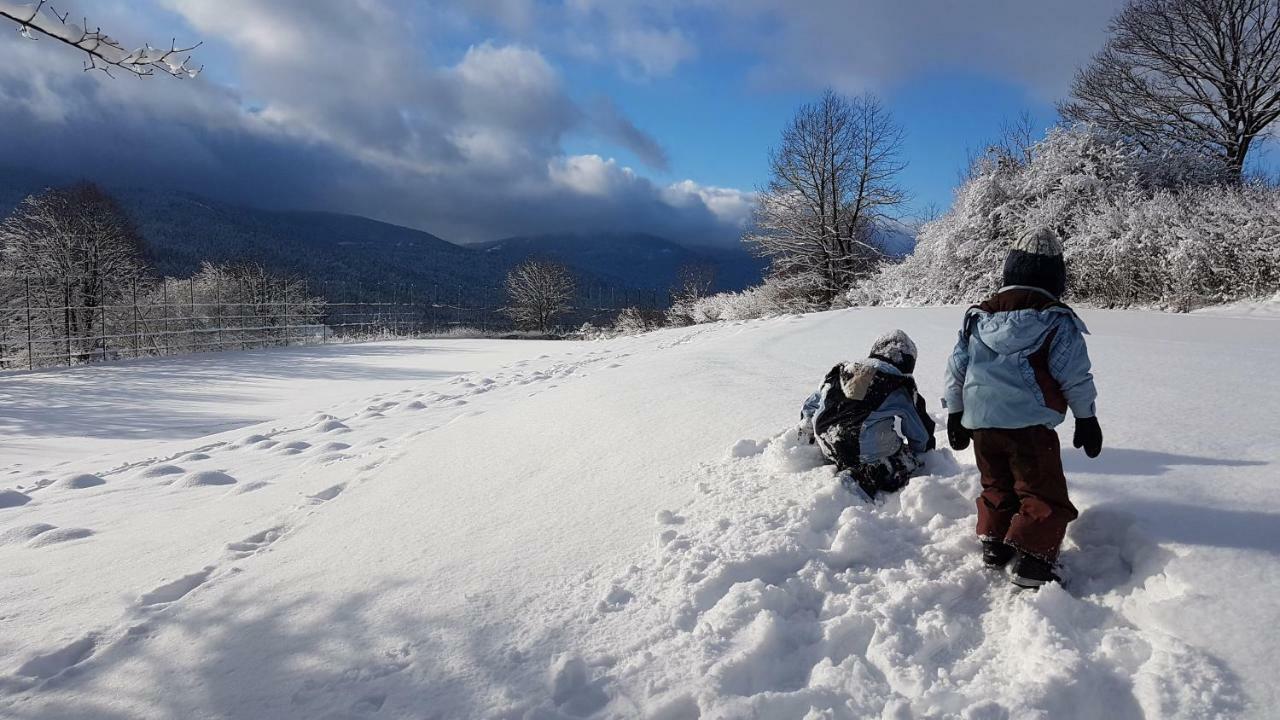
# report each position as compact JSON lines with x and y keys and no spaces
{"x":476,"y":119}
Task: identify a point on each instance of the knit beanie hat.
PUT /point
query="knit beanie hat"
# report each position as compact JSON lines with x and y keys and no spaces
{"x":1035,"y":259}
{"x":895,"y":348}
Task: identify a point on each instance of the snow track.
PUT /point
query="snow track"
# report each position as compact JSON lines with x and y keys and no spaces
{"x":596,"y":530}
{"x":761,"y":606}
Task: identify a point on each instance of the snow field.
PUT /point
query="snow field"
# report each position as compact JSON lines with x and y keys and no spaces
{"x":278,"y":463}
{"x":596,"y":530}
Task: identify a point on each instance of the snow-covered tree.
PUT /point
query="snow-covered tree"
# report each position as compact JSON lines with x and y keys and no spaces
{"x":239,"y":304}
{"x":73,"y":249}
{"x":693,"y":282}
{"x":1141,"y":227}
{"x":1200,"y":73}
{"x":538,"y":292}
{"x":102,"y":52}
{"x":832,"y":179}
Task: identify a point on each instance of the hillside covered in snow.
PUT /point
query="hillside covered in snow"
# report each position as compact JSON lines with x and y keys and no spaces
{"x":621,"y":528}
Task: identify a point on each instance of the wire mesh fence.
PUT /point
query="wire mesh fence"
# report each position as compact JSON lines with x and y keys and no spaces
{"x":46,"y":322}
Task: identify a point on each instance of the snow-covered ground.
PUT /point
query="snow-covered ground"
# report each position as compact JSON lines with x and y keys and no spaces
{"x":625,"y":528}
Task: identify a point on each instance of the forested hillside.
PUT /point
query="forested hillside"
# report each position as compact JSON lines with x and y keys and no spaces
{"x":346,"y":256}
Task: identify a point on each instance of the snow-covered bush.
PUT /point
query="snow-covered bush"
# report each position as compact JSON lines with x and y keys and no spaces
{"x":635,"y":320}
{"x":1140,"y":227}
{"x":776,"y":296}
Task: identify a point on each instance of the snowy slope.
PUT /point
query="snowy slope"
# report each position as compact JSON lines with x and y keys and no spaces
{"x":623,"y":529}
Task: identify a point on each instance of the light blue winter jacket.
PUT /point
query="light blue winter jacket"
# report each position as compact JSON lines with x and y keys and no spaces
{"x":1002,"y":375}
{"x":879,"y":437}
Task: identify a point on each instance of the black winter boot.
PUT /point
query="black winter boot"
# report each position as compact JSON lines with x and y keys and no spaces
{"x":1031,"y":572}
{"x":996,"y":554}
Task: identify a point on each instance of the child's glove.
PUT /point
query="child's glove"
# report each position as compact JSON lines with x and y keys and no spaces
{"x":1088,"y":436}
{"x":957,"y":434}
{"x":931,"y":444}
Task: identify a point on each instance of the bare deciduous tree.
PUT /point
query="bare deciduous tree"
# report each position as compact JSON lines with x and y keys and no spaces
{"x":1197,"y":73}
{"x":833,"y":178}
{"x":103,"y":51}
{"x":693,"y":281}
{"x":537,"y":293}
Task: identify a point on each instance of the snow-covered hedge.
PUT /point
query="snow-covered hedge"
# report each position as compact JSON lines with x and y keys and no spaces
{"x":1140,"y":228}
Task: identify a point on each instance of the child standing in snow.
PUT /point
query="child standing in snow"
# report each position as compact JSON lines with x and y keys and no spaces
{"x":852,"y":417}
{"x":1019,"y":364}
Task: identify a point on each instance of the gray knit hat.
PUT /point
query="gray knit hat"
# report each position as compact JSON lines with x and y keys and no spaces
{"x":1035,"y":259}
{"x":896,"y":348}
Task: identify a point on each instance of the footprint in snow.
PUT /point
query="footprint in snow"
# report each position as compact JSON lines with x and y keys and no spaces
{"x":327,"y":494}
{"x":331,"y":426}
{"x":13,"y":498}
{"x":203,"y":478}
{"x":80,"y":481}
{"x":159,"y":471}
{"x":59,"y":535}
{"x":53,"y":663}
{"x":292,"y":448}
{"x":257,"y":541}
{"x":175,"y":590}
{"x":249,"y":487}
{"x":24,"y":533}
{"x":42,"y":534}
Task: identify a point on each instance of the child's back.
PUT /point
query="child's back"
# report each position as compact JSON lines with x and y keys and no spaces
{"x":1019,"y":365}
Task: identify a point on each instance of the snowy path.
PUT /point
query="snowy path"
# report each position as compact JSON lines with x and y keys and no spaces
{"x":581,"y":529}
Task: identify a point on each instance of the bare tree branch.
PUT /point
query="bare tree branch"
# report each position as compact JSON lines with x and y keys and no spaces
{"x":103,"y":51}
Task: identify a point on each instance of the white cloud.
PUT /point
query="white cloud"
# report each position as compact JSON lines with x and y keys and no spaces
{"x":862,"y":44}
{"x":589,"y":174}
{"x":732,"y":206}
{"x":655,"y":52}
{"x":333,"y":105}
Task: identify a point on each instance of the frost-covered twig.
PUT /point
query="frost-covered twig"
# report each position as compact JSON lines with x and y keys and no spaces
{"x":103,"y":51}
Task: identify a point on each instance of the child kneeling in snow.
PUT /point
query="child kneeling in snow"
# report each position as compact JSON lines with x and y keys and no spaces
{"x":852,"y":418}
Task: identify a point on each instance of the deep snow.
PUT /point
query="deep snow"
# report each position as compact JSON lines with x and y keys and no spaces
{"x":621,"y":528}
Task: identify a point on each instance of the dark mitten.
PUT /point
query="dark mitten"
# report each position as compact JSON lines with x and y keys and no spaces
{"x":931,"y":444}
{"x":957,"y":434}
{"x":1088,"y":436}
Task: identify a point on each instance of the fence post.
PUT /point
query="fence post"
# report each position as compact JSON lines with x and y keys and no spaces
{"x":217,"y":305}
{"x":191,"y":321}
{"x":395,"y":311}
{"x":137,"y":339}
{"x":285,"y":281}
{"x":66,"y":317}
{"x":102,"y":305}
{"x":164,"y":331}
{"x":31,"y":358}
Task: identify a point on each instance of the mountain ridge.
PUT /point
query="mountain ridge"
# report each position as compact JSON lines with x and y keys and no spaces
{"x":349,"y":256}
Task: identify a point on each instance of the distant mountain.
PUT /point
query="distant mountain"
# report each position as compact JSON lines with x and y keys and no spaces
{"x":897,"y":239}
{"x":346,"y":256}
{"x":635,"y":259}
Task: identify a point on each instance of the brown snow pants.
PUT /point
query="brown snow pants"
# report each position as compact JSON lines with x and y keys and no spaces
{"x":1024,"y":491}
